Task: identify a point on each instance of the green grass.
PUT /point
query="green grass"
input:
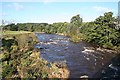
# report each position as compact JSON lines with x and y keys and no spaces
{"x":13,"y":32}
{"x":23,"y":37}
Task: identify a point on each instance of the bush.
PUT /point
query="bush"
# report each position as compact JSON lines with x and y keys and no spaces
{"x":7,"y":71}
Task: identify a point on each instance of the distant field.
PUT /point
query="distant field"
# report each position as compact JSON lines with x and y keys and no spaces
{"x":13,"y":32}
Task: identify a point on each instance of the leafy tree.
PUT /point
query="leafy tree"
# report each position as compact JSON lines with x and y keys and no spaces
{"x":11,"y":27}
{"x":102,"y":31}
{"x":74,"y":28}
{"x":106,"y":20}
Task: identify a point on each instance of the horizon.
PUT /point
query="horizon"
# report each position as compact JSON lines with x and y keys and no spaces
{"x":52,"y":12}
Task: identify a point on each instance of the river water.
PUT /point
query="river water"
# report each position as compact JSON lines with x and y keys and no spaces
{"x":81,"y":58}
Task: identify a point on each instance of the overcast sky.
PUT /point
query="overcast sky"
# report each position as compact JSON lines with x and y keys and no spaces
{"x":49,"y":12}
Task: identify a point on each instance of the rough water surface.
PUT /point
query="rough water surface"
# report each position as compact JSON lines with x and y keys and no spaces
{"x":82,"y":59}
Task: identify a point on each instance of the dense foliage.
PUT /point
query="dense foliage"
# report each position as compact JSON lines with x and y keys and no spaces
{"x":102,"y":31}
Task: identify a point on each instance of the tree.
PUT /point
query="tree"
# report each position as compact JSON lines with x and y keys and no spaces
{"x":106,"y":20}
{"x":76,"y":20}
{"x":74,"y":28}
{"x":12,"y":27}
{"x":102,"y":31}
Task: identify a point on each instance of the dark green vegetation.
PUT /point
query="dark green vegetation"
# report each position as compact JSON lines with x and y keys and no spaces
{"x":21,"y":60}
{"x":104,"y":31}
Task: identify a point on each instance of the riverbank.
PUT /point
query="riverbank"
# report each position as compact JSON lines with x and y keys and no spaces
{"x":21,"y":60}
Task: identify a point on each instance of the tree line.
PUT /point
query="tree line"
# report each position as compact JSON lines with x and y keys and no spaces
{"x":103,"y":31}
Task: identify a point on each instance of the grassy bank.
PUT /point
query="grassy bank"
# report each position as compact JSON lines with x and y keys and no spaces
{"x":21,"y":60}
{"x":14,"y":32}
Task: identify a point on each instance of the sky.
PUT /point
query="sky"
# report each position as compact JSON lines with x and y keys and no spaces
{"x":50,"y":12}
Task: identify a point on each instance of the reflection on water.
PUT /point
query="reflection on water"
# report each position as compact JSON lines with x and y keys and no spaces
{"x":81,"y":58}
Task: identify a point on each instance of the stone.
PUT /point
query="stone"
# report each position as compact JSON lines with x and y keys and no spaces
{"x":84,"y":76}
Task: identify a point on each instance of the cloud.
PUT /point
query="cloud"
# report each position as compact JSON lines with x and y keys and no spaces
{"x":102,"y":9}
{"x":16,"y":6}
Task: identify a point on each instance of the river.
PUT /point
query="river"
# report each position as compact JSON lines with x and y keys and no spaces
{"x":81,"y":58}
